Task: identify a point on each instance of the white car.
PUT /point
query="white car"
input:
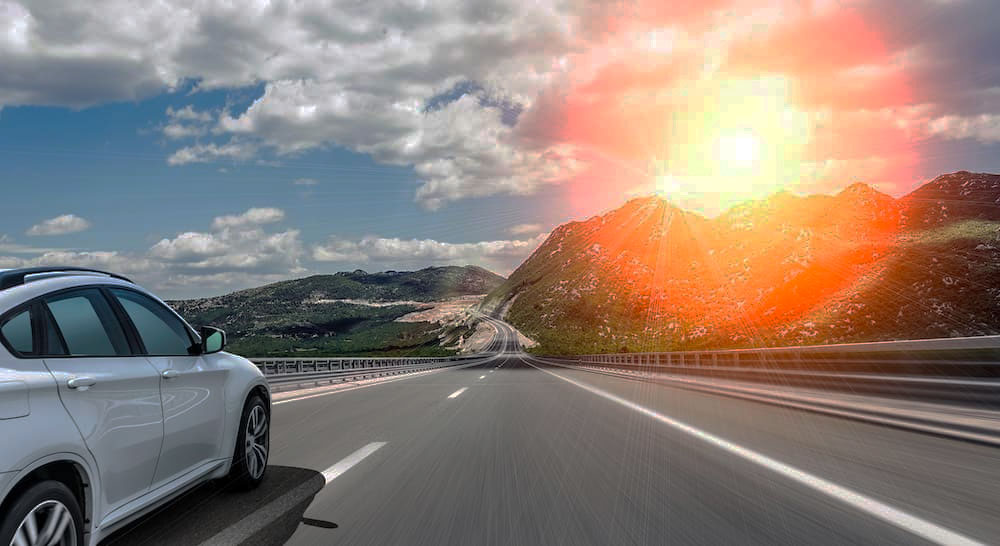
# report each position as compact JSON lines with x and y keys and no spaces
{"x":111,"y":405}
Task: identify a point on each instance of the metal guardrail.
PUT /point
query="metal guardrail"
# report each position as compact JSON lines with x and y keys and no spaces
{"x":965,"y":370}
{"x":279,"y":366}
{"x":966,"y":356}
{"x":315,"y":371}
{"x":295,"y":372}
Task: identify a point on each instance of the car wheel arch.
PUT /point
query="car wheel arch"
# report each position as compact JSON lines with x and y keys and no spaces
{"x":65,"y":468}
{"x":262,"y":392}
{"x":258,"y":390}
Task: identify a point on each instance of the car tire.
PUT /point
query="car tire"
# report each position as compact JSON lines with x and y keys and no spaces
{"x":253,"y":445}
{"x":46,"y":507}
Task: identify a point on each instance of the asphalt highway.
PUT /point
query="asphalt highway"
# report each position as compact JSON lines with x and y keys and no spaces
{"x":511,"y":451}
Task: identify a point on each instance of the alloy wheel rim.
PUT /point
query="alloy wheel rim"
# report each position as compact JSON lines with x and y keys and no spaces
{"x":48,"y":524}
{"x":256,"y":442}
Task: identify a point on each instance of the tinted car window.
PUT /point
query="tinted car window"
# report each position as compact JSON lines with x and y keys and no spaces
{"x":87,"y":324}
{"x":18,"y":334}
{"x":162,"y":333}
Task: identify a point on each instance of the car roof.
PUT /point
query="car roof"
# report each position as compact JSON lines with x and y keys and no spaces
{"x":33,"y":288}
{"x":14,"y":277}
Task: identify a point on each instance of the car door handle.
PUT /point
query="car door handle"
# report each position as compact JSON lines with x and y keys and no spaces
{"x":169,"y":374}
{"x":77,"y":382}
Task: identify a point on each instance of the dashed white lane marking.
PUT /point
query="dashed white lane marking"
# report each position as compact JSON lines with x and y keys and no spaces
{"x":894,"y":516}
{"x":458,"y":392}
{"x":346,"y":463}
{"x":482,"y":377}
{"x":255,"y":522}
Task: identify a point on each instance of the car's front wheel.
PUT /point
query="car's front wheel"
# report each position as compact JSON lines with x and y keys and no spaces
{"x":46,"y":513}
{"x":252,"y":445}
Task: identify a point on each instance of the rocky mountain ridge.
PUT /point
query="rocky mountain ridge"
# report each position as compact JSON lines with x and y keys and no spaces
{"x":855,"y":266}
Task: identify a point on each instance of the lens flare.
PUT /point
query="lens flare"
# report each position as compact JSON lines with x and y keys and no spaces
{"x":738,"y":150}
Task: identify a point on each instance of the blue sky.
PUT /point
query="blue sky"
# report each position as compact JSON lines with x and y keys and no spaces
{"x":107,"y":164}
{"x":207,"y":148}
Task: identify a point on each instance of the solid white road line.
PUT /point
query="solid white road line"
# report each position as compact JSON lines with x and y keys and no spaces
{"x":458,"y":392}
{"x":255,"y":522}
{"x":346,"y":463}
{"x":895,"y":516}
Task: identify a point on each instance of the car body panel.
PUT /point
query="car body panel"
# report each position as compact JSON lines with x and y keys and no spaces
{"x":244,"y":377}
{"x":123,"y":416}
{"x":47,"y":424}
{"x":193,"y":409}
{"x":13,"y":399}
{"x":136,"y":508}
{"x":6,"y":479}
{"x":120,"y":419}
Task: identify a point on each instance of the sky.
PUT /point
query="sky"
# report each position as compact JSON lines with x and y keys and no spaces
{"x":202,"y":147}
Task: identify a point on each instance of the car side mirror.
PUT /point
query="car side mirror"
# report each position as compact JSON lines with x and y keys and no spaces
{"x":213,"y":340}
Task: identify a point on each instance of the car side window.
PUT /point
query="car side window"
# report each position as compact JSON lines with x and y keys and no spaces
{"x":86,"y":324}
{"x":18,"y":334}
{"x":162,"y":333}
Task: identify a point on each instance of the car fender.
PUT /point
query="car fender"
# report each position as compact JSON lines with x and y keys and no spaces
{"x":243,"y":377}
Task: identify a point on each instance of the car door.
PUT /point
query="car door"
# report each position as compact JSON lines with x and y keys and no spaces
{"x":191,"y":386}
{"x":111,"y":395}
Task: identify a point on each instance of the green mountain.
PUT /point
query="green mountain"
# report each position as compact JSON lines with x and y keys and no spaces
{"x":344,"y":313}
{"x":856,"y":266}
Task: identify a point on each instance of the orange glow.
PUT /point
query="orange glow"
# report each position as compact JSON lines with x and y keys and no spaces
{"x":711,"y":111}
{"x":731,"y":120}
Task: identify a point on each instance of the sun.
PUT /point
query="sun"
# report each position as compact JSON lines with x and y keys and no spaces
{"x":738,"y":149}
{"x":727,"y":141}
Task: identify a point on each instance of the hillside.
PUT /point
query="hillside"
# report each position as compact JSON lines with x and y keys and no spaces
{"x":856,"y":266}
{"x":344,"y":313}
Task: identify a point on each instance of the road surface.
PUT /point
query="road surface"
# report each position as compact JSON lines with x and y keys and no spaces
{"x":510,"y":451}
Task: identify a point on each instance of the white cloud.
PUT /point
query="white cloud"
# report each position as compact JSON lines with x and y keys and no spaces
{"x":8,"y":244}
{"x":188,"y":113}
{"x":177,"y":131}
{"x":984,"y":127}
{"x":99,"y":259}
{"x":235,"y":243}
{"x":237,"y":252}
{"x":204,"y":153}
{"x":190,"y":245}
{"x":361,"y":75}
{"x":232,"y":249}
{"x":60,"y":225}
{"x":247,"y":250}
{"x":351,"y":74}
{"x":462,"y":149}
{"x":252,"y":217}
{"x":240,"y":250}
{"x":524,"y":229}
{"x":501,"y":256}
{"x":186,"y":122}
